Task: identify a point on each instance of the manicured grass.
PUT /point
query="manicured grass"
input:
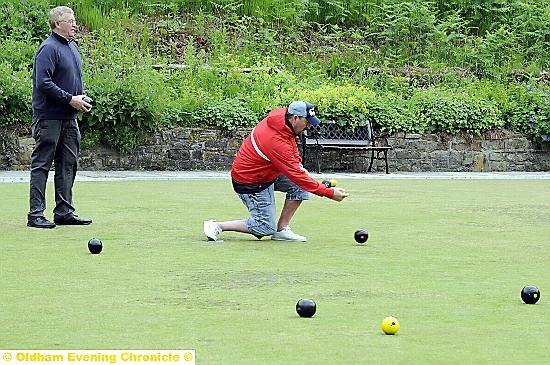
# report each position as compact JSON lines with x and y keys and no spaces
{"x":448,"y":258}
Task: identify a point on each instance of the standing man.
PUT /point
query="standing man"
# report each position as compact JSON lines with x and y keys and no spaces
{"x":268,"y":161}
{"x":57,"y":97}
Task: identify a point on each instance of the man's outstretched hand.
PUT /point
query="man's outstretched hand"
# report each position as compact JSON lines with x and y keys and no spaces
{"x":339,"y":194}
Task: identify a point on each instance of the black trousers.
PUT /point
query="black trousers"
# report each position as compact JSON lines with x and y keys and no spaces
{"x":57,"y":141}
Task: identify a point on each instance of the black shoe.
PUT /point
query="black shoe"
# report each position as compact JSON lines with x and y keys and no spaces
{"x":72,"y":220}
{"x":39,"y":222}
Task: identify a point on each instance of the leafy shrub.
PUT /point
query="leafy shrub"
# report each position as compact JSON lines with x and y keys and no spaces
{"x":346,"y":104}
{"x":523,"y":107}
{"x":392,"y":114}
{"x":353,"y":105}
{"x":24,"y":20}
{"x":540,"y":123}
{"x":228,"y":114}
{"x":18,"y":53}
{"x":539,"y":116}
{"x":15,"y":95}
{"x":440,"y":110}
{"x":124,"y":108}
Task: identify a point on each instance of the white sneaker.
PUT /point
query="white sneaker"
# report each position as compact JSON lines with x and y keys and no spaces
{"x":286,"y":234}
{"x":212,"y":230}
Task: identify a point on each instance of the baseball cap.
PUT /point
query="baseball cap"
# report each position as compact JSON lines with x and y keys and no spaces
{"x":304,"y":109}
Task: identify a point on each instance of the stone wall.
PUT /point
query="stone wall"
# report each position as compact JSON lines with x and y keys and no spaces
{"x":15,"y":148}
{"x":493,"y":151}
{"x":212,"y":149}
{"x":175,"y":149}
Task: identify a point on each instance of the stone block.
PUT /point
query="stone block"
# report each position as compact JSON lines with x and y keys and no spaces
{"x":480,"y":162}
{"x":178,"y":154}
{"x":518,"y":144}
{"x":492,"y":145}
{"x":412,"y":136}
{"x":517,"y":157}
{"x":428,"y":146}
{"x":408,"y":154}
{"x":495,"y":156}
{"x":456,"y":158}
{"x":498,"y":166}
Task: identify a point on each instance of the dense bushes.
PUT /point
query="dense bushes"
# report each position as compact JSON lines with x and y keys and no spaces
{"x":15,"y":96}
{"x":452,"y":111}
{"x":22,"y":24}
{"x":239,"y":66}
{"x":24,"y":20}
{"x":123,"y":112}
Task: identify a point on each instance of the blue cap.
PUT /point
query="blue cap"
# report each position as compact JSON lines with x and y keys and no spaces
{"x":304,"y":109}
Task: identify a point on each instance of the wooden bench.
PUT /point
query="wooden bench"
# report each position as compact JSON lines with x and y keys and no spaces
{"x":330,"y":135}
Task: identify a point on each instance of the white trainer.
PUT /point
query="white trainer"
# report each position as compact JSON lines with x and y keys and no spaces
{"x":212,"y":229}
{"x":286,"y":234}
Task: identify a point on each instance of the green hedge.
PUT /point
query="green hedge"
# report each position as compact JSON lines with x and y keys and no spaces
{"x":452,"y":111}
{"x":15,"y":96}
{"x":322,"y":63}
{"x":24,"y":20}
{"x":130,"y":105}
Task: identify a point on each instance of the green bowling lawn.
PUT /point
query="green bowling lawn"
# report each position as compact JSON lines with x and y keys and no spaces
{"x":447,"y":258}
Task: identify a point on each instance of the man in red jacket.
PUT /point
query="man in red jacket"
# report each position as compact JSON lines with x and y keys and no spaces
{"x":268,"y":161}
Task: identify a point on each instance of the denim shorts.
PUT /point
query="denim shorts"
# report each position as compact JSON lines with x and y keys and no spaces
{"x":261,"y":206}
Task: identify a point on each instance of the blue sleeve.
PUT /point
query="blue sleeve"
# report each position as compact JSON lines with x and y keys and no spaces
{"x":44,"y":68}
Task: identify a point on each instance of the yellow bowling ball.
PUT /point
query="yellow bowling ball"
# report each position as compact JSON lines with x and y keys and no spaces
{"x":390,"y":325}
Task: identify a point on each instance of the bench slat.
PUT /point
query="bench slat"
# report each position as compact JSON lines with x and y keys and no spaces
{"x":376,"y":148}
{"x":337,"y":142}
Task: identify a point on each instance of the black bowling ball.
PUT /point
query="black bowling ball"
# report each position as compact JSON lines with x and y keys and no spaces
{"x":306,"y":308}
{"x":530,"y":294}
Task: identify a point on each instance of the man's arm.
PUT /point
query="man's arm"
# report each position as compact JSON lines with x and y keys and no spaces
{"x":286,"y":160}
{"x":44,"y":68}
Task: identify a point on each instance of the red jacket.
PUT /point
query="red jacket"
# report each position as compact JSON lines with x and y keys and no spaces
{"x":277,"y":143}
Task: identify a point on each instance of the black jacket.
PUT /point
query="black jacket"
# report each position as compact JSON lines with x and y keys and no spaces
{"x":57,"y":76}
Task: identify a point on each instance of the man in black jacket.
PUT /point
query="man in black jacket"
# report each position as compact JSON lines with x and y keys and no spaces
{"x":57,"y":97}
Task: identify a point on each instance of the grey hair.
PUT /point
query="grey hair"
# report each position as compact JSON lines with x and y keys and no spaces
{"x":56,"y":14}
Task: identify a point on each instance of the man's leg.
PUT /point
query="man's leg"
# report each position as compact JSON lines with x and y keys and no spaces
{"x":261,"y":206}
{"x":66,"y":164}
{"x":235,"y":226}
{"x":46,"y":135}
{"x":262,"y":220}
{"x":289,"y":208}
{"x":294,"y":197}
